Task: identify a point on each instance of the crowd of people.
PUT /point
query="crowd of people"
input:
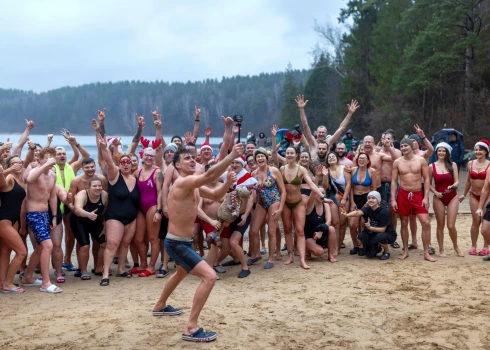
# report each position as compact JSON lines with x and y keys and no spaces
{"x":173,"y":199}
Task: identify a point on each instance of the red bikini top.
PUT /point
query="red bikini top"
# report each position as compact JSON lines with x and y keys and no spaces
{"x":478,"y":176}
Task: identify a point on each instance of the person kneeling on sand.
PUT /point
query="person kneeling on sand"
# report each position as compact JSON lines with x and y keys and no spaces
{"x":378,"y":230}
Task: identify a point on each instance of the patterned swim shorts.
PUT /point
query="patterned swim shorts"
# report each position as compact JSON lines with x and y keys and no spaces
{"x":38,"y":223}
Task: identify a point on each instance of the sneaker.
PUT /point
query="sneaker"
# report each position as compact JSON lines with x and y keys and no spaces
{"x":219,"y":269}
{"x":244,"y":273}
{"x":169,"y":310}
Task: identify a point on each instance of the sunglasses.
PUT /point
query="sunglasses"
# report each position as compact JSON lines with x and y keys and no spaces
{"x":125,"y":162}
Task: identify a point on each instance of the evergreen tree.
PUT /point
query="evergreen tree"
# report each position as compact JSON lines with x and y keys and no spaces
{"x":289,"y":110}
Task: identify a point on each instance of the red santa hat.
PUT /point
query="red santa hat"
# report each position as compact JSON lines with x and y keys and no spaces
{"x":206,"y":145}
{"x":242,"y":160}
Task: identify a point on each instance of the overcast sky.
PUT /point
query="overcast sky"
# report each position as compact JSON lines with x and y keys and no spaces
{"x":50,"y":44}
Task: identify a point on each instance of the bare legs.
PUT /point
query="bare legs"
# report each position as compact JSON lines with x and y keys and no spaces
{"x":10,"y":241}
{"x":452,"y":212}
{"x":118,"y":236}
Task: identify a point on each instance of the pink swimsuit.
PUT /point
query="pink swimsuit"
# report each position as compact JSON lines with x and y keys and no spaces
{"x":148,"y":192}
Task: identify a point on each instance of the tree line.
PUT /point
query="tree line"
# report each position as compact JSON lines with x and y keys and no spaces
{"x":407,"y":62}
{"x":257,"y":98}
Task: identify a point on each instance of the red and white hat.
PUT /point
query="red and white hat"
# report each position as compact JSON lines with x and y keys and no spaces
{"x":242,"y":160}
{"x":206,"y":145}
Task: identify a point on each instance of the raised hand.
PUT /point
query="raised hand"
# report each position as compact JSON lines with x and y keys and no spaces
{"x":300,"y":101}
{"x":95,"y":125}
{"x":141,"y":121}
{"x":188,"y":137}
{"x":7,"y":144}
{"x":65,"y":133}
{"x":353,"y":106}
{"x":237,"y":150}
{"x":101,"y":116}
{"x":30,"y":144}
{"x":158,"y":123}
{"x":155,"y":114}
{"x":274,"y":130}
{"x":29,"y":124}
{"x":228,"y":121}
{"x":197,"y":112}
{"x":208,"y":131}
{"x":102,"y":141}
{"x":50,"y":138}
{"x":324,"y":170}
{"x":419,"y":131}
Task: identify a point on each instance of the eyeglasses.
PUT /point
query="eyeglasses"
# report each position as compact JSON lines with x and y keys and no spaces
{"x":250,"y":162}
{"x":363,"y":159}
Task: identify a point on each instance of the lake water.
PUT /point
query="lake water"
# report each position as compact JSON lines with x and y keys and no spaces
{"x":88,"y":142}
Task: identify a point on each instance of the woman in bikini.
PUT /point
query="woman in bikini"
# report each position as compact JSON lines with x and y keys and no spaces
{"x":305,"y":162}
{"x":362,"y":182}
{"x":478,"y":169}
{"x":446,"y":181}
{"x":12,"y":195}
{"x":121,"y":211}
{"x":337,"y":182}
{"x":295,"y":209}
{"x":271,"y":195}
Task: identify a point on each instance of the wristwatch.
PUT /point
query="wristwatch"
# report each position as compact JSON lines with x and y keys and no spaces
{"x":159,"y":211}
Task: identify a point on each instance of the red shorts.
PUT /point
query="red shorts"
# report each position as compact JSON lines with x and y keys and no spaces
{"x":208,"y":228}
{"x":410,"y":203}
{"x":198,"y":220}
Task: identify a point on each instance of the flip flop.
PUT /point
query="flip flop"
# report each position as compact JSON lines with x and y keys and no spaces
{"x":135,"y":271}
{"x":85,"y":277}
{"x":412,"y":247}
{"x":53,"y":289}
{"x":124,"y":275}
{"x":37,"y":283}
{"x":146,"y":273}
{"x":15,"y":290}
{"x":200,"y":336}
{"x":396,"y":245}
{"x":104,"y":282}
{"x":60,"y":279}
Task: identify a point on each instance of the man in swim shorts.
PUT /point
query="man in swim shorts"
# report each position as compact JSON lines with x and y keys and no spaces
{"x":183,"y":200}
{"x":411,"y":199}
{"x":40,"y":187}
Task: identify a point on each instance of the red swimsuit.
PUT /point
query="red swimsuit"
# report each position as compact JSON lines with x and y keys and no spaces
{"x":442,"y":182}
{"x":474,"y":175}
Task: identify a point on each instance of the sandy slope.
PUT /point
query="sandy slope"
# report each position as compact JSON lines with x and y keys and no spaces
{"x":354,"y":304}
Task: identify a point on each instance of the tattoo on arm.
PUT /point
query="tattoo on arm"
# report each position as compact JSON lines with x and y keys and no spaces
{"x":160,"y":178}
{"x":102,"y":130}
{"x":137,"y":136}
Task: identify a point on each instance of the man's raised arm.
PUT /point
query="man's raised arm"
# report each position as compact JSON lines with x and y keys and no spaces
{"x":300,"y":101}
{"x":195,"y":133}
{"x":23,"y":138}
{"x":353,"y":106}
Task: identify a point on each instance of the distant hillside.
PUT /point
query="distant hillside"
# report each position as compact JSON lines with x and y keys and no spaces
{"x":257,"y":98}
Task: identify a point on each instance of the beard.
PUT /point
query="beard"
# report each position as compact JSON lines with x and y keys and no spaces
{"x":340,"y":154}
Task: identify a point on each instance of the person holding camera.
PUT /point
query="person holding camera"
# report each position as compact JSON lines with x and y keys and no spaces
{"x":378,"y":230}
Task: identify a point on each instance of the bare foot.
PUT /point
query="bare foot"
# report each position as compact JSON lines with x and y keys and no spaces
{"x":332,"y":259}
{"x":442,"y":254}
{"x":428,"y":257}
{"x":290,"y":259}
{"x":459,"y":252}
{"x":404,"y":256}
{"x":305,"y":266}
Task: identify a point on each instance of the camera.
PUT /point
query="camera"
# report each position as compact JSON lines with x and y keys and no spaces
{"x":238,"y":118}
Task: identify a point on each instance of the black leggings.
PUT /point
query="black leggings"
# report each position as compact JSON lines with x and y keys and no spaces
{"x":82,"y":229}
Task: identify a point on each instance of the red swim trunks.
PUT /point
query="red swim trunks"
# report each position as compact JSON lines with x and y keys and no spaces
{"x":208,"y":228}
{"x":410,"y":203}
{"x":198,"y":220}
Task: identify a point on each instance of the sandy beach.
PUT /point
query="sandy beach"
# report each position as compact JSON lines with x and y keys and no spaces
{"x":357,"y":303}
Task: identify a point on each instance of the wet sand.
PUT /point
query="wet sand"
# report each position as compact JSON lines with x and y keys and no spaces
{"x":357,"y":303}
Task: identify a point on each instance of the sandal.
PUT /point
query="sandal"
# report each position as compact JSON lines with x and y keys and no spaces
{"x":472,"y":251}
{"x":135,"y":270}
{"x":60,"y":279}
{"x":161,"y":273}
{"x":104,"y":282}
{"x":396,"y":245}
{"x":483,"y":252}
{"x":431,"y":250}
{"x":200,"y":336}
{"x":146,"y":273}
{"x":124,"y":275}
{"x":101,"y":273}
{"x":85,"y":277}
{"x":412,"y":247}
